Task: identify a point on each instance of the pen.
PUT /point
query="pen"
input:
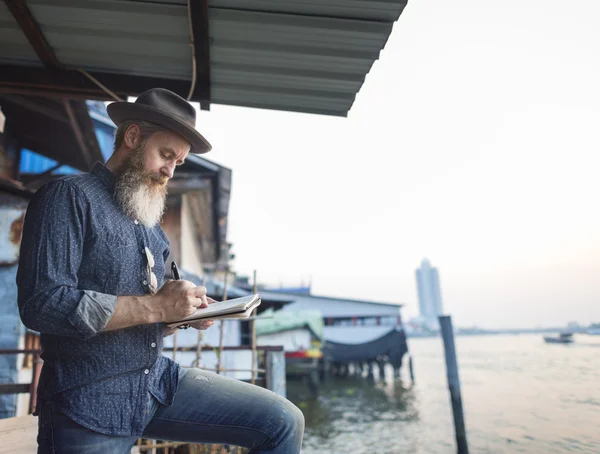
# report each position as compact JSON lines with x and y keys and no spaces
{"x":175,"y":271}
{"x":176,"y":276}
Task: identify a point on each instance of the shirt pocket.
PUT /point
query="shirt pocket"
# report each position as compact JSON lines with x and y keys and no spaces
{"x":118,"y":262}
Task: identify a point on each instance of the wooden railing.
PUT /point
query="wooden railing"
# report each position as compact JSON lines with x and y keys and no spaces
{"x":23,"y":388}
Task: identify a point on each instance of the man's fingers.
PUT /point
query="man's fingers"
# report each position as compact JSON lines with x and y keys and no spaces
{"x":200,"y":303}
{"x":204,"y":324}
{"x":200,"y":294}
{"x":199,"y":291}
{"x":209,"y":300}
{"x":184,"y":284}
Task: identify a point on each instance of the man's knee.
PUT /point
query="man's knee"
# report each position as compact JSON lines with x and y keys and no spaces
{"x":294,"y":418}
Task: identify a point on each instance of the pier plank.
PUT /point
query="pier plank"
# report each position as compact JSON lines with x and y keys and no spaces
{"x":18,"y":435}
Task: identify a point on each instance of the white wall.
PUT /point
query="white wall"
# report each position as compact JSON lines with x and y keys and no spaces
{"x":190,"y":253}
{"x":341,"y":308}
{"x":292,"y":341}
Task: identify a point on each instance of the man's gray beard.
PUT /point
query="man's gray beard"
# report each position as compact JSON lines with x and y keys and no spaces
{"x":138,"y":195}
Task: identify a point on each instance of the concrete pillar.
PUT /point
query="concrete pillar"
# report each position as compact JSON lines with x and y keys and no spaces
{"x":275,"y":372}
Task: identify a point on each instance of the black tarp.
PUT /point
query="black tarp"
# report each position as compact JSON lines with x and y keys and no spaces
{"x":392,"y":346}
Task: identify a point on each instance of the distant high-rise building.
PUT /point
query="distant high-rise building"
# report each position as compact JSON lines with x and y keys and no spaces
{"x":430,"y":297}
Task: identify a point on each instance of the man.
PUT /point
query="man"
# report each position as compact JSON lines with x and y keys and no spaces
{"x":90,"y":281}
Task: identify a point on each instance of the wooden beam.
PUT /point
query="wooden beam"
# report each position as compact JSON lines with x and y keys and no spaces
{"x":60,"y":83}
{"x":87,"y":128}
{"x":36,"y":106}
{"x":32,"y":32}
{"x":78,"y":132}
{"x":14,"y":388}
{"x":199,"y":20}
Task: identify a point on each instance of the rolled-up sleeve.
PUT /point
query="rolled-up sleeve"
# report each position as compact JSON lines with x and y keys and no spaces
{"x":51,"y":252}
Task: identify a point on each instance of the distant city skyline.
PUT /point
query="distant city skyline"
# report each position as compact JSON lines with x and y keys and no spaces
{"x":429,"y":293}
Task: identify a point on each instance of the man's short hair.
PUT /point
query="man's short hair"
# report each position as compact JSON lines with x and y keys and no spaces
{"x":146,"y":128}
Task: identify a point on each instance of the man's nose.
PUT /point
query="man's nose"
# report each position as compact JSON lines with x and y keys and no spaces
{"x":168,"y":171}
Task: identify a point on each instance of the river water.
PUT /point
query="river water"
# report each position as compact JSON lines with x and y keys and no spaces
{"x":520,"y":395}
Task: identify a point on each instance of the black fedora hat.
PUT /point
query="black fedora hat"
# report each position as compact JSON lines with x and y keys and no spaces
{"x":165,"y":108}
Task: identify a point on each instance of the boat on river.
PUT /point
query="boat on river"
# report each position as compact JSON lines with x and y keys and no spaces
{"x":563,"y":338}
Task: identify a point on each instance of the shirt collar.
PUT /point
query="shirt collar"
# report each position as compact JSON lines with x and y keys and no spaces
{"x":107,"y":178}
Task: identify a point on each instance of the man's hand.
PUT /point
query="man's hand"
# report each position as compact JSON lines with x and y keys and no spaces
{"x":174,"y":301}
{"x":178,"y":299}
{"x":204,"y":324}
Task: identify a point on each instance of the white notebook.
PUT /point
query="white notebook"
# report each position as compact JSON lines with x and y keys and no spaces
{"x":235,"y":308}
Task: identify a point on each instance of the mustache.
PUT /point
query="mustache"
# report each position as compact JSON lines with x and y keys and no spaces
{"x":152,"y":179}
{"x":157,"y":178}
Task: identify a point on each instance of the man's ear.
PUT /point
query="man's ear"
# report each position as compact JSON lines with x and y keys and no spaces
{"x":132,"y":136}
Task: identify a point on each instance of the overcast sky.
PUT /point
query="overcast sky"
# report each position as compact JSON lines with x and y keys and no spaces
{"x":474,"y":142}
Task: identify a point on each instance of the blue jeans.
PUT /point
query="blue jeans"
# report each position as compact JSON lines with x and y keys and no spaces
{"x":208,"y":408}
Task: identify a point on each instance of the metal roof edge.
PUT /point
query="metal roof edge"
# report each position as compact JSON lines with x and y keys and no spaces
{"x":212,"y":166}
{"x":330,"y":298}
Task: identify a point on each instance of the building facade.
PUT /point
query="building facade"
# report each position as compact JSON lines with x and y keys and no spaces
{"x":430,"y":297}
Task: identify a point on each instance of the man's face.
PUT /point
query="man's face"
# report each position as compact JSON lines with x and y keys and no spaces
{"x":163,"y":151}
{"x":141,"y":188}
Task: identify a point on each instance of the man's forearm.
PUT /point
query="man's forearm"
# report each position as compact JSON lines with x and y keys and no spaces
{"x":133,"y":311}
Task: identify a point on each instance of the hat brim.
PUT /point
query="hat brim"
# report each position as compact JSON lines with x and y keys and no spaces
{"x":123,"y":111}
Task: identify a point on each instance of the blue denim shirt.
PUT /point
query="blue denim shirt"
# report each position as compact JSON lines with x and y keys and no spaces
{"x":79,"y":252}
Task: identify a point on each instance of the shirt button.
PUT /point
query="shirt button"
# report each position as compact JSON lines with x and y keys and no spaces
{"x":153,"y":345}
{"x":146,"y":371}
{"x":136,"y":222}
{"x":145,"y":282}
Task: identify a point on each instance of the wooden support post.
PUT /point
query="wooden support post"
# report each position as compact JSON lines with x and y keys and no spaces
{"x":253,"y":334}
{"x":79,"y":134}
{"x":275,"y":371}
{"x":222,"y":327}
{"x":313,"y":378}
{"x":175,"y":344}
{"x":454,"y":384}
{"x":381,"y":367}
{"x":198,"y":349}
{"x":197,"y":361}
{"x":370,"y":372}
{"x":325,"y":368}
{"x":37,"y":368}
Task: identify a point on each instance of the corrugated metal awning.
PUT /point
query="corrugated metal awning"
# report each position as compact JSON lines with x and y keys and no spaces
{"x":306,"y":56}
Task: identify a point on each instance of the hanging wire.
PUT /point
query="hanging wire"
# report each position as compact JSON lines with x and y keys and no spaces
{"x":99,"y":84}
